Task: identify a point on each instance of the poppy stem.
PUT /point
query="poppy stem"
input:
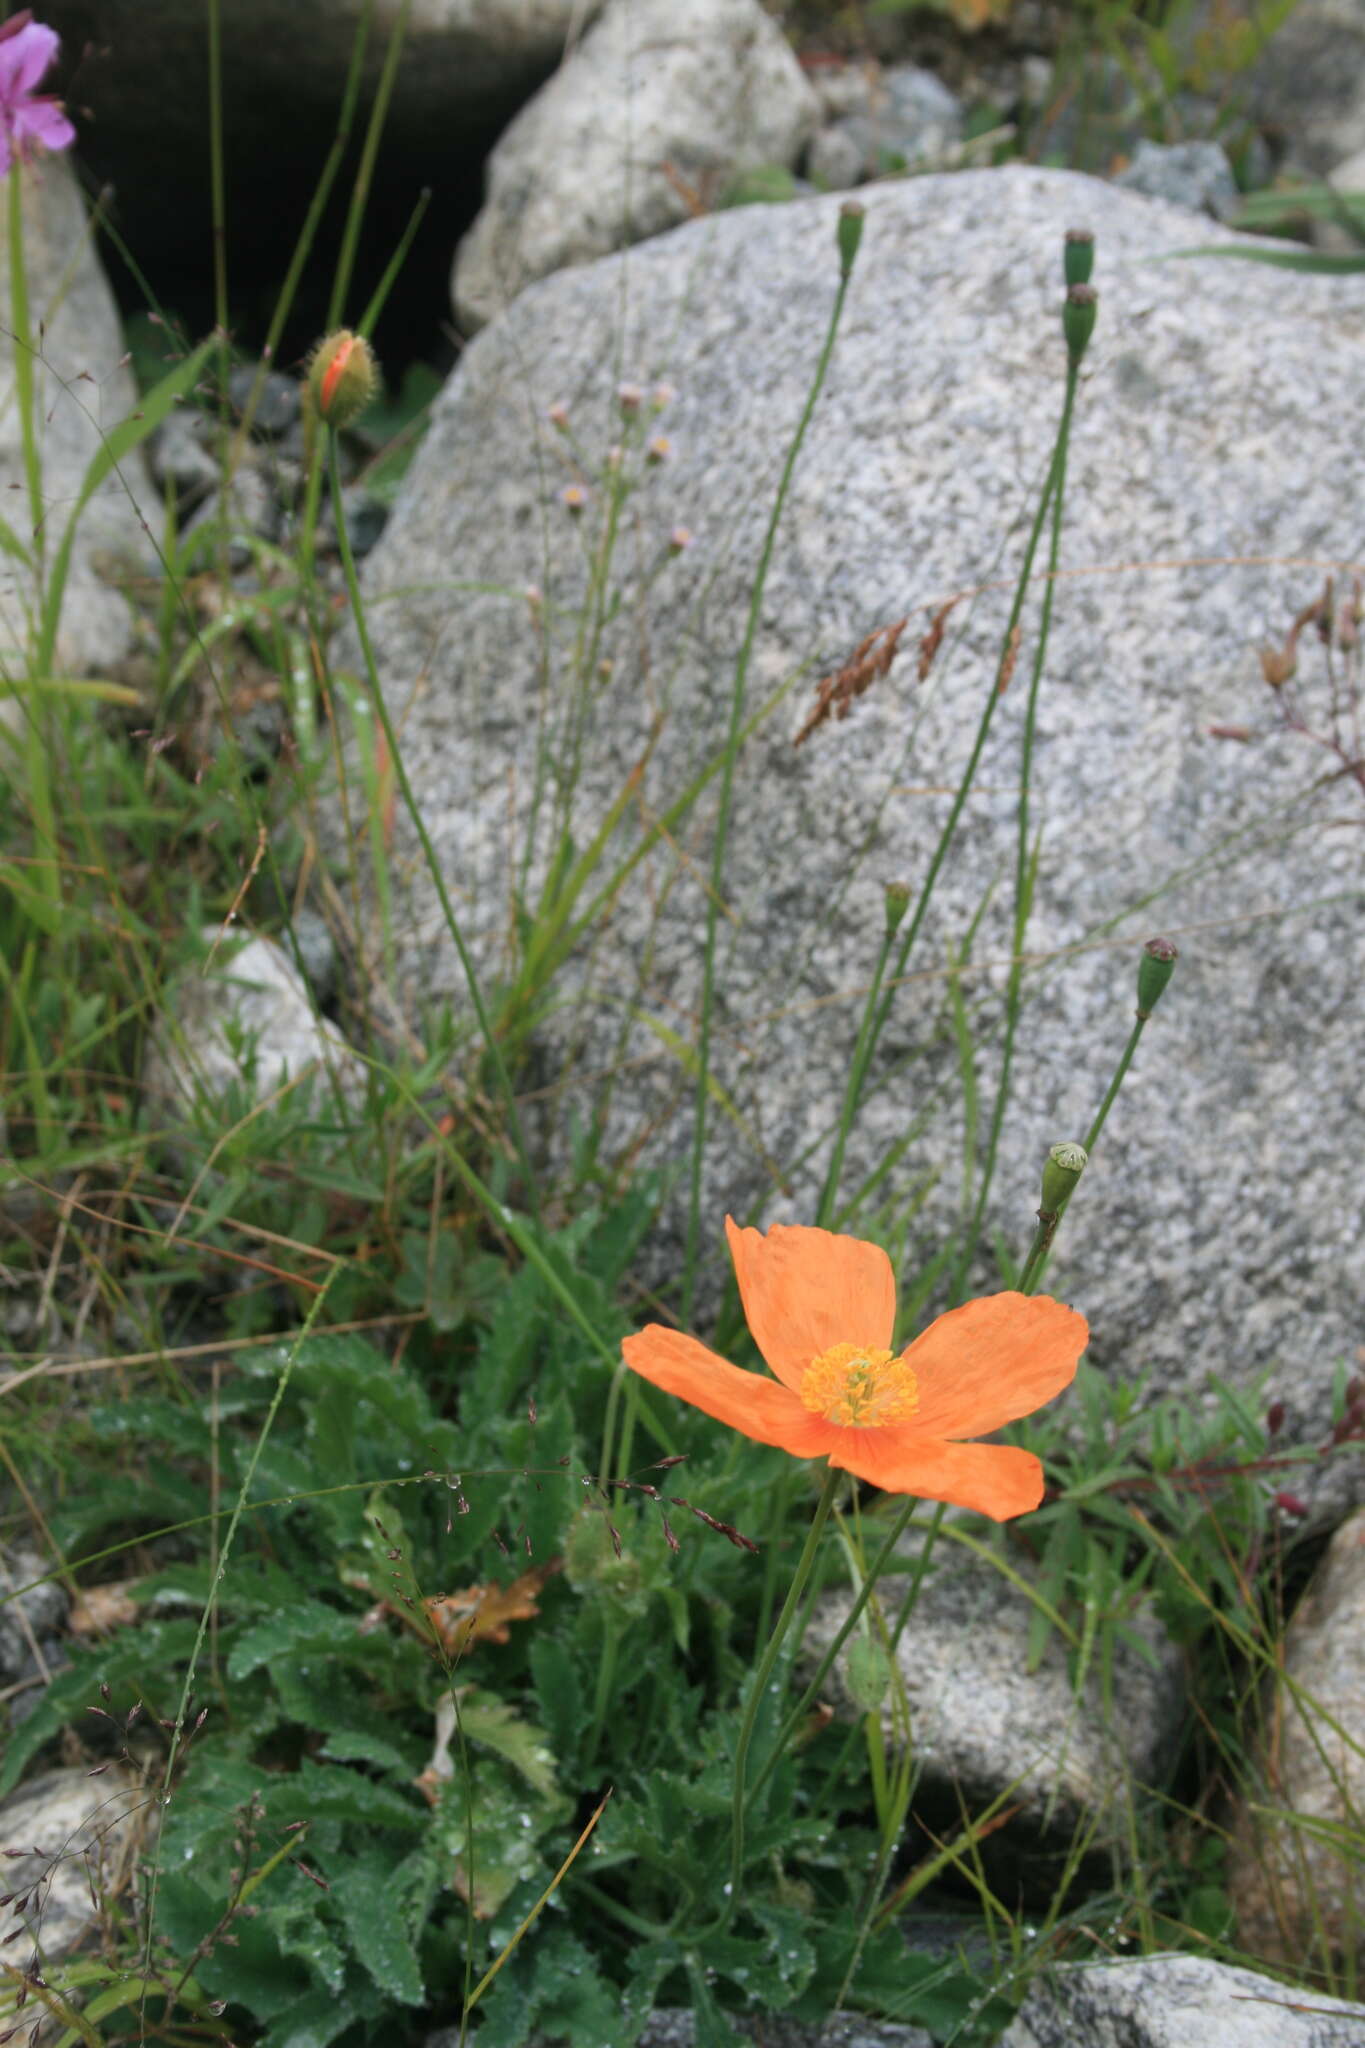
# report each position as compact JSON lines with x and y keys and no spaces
{"x":734,"y":738}
{"x":790,"y":1606}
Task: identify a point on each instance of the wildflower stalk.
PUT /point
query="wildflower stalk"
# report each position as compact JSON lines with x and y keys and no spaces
{"x":867,"y":1024}
{"x":381,"y":710}
{"x":847,"y":253}
{"x":46,"y":873}
{"x":862,"y":1060}
{"x":1023,"y":860}
{"x":1159,"y":954}
{"x":795,"y":1594}
{"x":891,"y":1543}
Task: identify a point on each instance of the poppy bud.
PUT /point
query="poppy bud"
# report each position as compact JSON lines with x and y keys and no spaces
{"x":1155,"y":969}
{"x":342,"y":378}
{"x":897,"y":903}
{"x":1078,"y":319}
{"x":1065,"y":1165}
{"x":850,"y":234}
{"x":1078,"y":256}
{"x":1274,"y":1418}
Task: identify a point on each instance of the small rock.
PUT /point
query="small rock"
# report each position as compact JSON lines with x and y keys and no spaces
{"x":894,"y":120}
{"x":253,"y":513}
{"x":81,"y":1834}
{"x":247,"y":1023}
{"x":1296,"y":1869}
{"x":836,"y":160}
{"x":366,"y":518}
{"x":43,"y":1609}
{"x":181,"y":453}
{"x":1178,"y":2001}
{"x":82,"y":388}
{"x":674,"y":2027}
{"x":655,"y":100}
{"x":983,"y":1722}
{"x":1308,"y":85}
{"x":278,"y":405}
{"x":1193,"y":174}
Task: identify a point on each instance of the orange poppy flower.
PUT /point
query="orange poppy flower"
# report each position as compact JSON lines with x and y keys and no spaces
{"x":821,"y":1308}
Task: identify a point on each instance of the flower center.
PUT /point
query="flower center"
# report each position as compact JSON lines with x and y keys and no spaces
{"x":860,"y":1388}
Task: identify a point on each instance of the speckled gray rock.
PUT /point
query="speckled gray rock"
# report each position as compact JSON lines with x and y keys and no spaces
{"x":1179,"y":2002}
{"x":80,"y":389}
{"x":1296,"y":1863}
{"x":246,"y":1025}
{"x":898,"y":118}
{"x":1193,"y":174}
{"x":81,"y":1834}
{"x":1309,"y":83}
{"x":655,"y":98}
{"x":983,"y":1722}
{"x":1220,"y":1229}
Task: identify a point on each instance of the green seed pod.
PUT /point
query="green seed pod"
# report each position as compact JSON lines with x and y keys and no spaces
{"x":897,"y":903}
{"x":1155,"y":969}
{"x":342,"y":378}
{"x":1065,"y":1165}
{"x":850,"y":233}
{"x":1078,"y":256}
{"x":867,"y":1674}
{"x":1078,"y":319}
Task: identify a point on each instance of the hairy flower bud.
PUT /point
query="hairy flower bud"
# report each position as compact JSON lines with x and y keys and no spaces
{"x":1078,"y":255}
{"x":1064,"y":1167}
{"x":1155,"y":969}
{"x":342,"y":378}
{"x":850,"y":234}
{"x":1078,"y":319}
{"x":897,"y":903}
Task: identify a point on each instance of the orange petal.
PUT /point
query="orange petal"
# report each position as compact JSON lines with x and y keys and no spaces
{"x":805,"y":1290}
{"x":746,"y":1401}
{"x":990,"y":1361}
{"x":993,"y":1479}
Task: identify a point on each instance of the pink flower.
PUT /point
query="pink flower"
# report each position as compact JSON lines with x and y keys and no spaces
{"x":27,"y":118}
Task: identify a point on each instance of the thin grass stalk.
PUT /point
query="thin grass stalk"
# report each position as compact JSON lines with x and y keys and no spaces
{"x":795,"y":1592}
{"x":366,"y":323}
{"x":218,"y":206}
{"x":360,"y":191}
{"x":859,"y":1069}
{"x":727,"y":779}
{"x":1023,"y":890}
{"x":866,"y":1026}
{"x":47,"y":875}
{"x":303,"y":246}
{"x":452,"y":923}
{"x":341,"y":281}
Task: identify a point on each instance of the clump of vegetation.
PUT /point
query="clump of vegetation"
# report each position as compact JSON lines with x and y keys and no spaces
{"x":458,"y":1662}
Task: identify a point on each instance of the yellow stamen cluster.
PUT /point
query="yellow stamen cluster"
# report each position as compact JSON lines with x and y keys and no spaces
{"x":860,"y":1388}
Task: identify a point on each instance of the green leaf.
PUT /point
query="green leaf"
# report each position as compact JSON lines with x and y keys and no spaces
{"x":307,"y":1626}
{"x":364,"y":1895}
{"x":492,"y":1723}
{"x":1286,"y":259}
